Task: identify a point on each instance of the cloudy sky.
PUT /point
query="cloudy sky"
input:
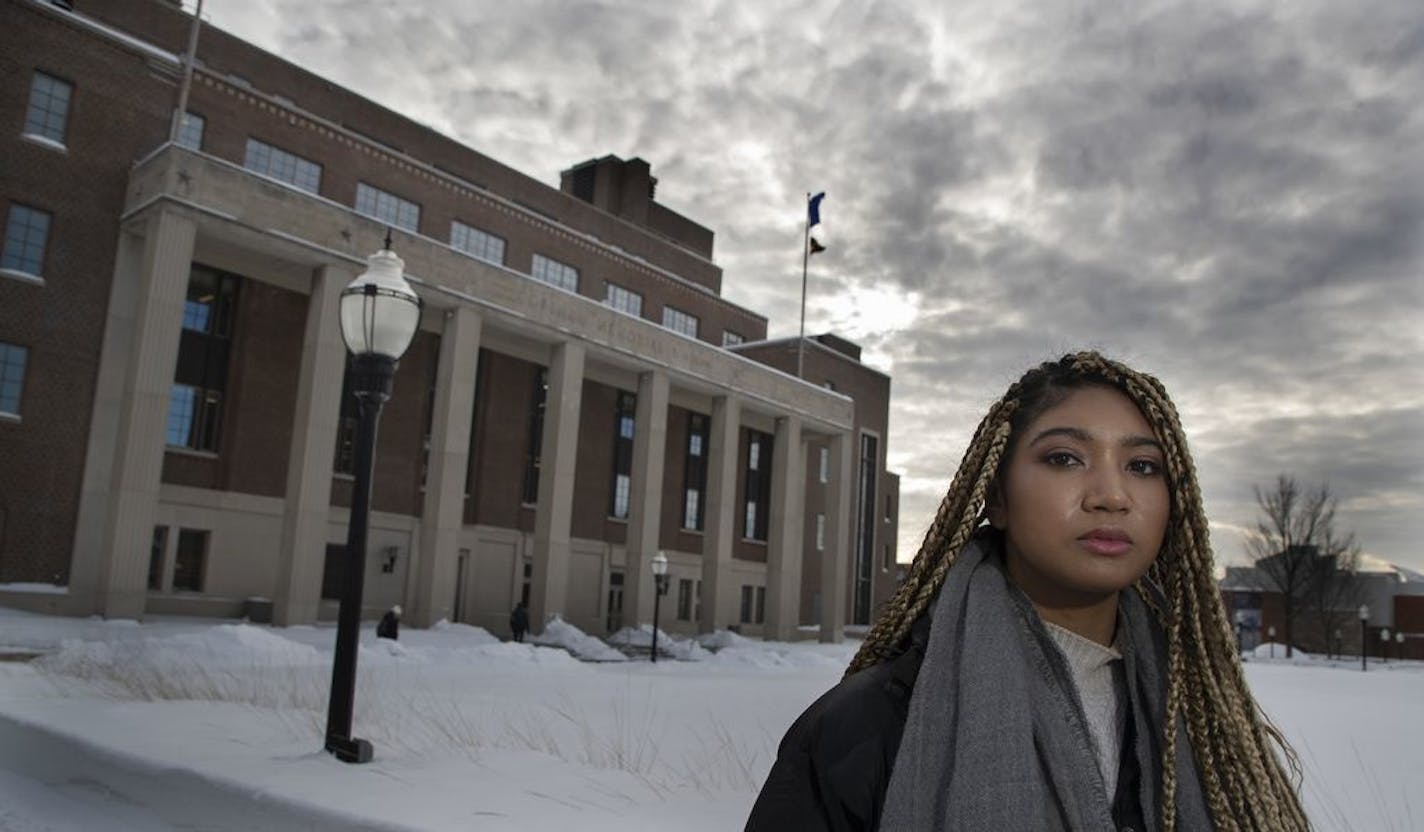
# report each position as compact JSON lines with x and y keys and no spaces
{"x":1228,"y":195}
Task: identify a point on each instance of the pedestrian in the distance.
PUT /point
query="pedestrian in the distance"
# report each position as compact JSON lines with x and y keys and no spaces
{"x":1058,"y":656}
{"x":519,"y":621}
{"x":390,"y":624}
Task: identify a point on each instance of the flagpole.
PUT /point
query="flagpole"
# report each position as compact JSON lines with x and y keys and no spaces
{"x":181,"y":112}
{"x":805,"y":259}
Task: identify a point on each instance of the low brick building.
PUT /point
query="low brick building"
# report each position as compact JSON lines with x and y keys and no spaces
{"x":174,"y":436}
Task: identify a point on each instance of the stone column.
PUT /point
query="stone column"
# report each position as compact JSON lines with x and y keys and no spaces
{"x":443,"y":516}
{"x":783,"y":559}
{"x":162,"y":288}
{"x":719,"y":526}
{"x":310,"y":458}
{"x":558,"y":453}
{"x":840,"y":526}
{"x":646,"y":501}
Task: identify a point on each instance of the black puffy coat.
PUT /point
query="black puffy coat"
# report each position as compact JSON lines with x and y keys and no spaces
{"x":833,"y":766}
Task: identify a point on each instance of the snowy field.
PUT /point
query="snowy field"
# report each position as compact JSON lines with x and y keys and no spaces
{"x":187,"y":724}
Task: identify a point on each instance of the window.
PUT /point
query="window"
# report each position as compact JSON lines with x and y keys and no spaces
{"x":825,"y":465}
{"x":190,"y":131}
{"x":820,"y":532}
{"x":528,"y":583}
{"x":697,"y":603}
{"x":889,"y":558}
{"x":333,"y":576}
{"x":623,"y":453}
{"x":554,"y":273}
{"x":865,"y":539}
{"x":473,"y":241}
{"x":679,"y":321}
{"x":190,"y":561}
{"x":155,"y":557}
{"x":758,"y":486}
{"x":48,"y":113}
{"x":536,"y":437}
{"x":12,"y":377}
{"x":694,"y":481}
{"x":753,"y":604}
{"x":889,"y":508}
{"x":26,"y":231}
{"x":624,"y":300}
{"x":286,"y":167}
{"x":346,"y":427}
{"x":684,"y":599}
{"x":730,"y":338}
{"x":200,"y":379}
{"x":387,"y":207}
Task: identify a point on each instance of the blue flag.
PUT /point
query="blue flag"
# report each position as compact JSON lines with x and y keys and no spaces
{"x":814,"y":208}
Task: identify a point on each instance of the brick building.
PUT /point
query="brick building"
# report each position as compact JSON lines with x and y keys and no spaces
{"x":174,"y":436}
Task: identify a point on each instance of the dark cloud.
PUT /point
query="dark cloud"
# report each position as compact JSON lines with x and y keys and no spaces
{"x":1229,"y":195}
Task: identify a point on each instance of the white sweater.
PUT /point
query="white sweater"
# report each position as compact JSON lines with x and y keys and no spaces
{"x":1092,"y":667}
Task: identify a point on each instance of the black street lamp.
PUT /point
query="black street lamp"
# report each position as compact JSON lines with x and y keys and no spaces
{"x":1364,"y":644}
{"x":1384,"y":644}
{"x":1339,"y":646}
{"x":1399,"y":642}
{"x":1240,"y":626}
{"x":660,"y":578}
{"x":1271,"y":634}
{"x":379,"y":315}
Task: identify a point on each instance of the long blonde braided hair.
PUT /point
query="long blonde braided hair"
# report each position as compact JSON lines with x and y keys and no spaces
{"x":1235,"y":745}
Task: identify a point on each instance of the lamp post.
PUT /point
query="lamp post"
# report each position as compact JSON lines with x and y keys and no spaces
{"x":1240,"y":626}
{"x":1271,"y":634}
{"x":660,"y":578}
{"x":1384,"y":645}
{"x":1339,"y":647}
{"x":379,"y":315}
{"x":1399,"y":643}
{"x":1364,"y":645}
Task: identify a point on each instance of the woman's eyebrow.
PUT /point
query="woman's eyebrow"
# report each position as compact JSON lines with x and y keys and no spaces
{"x":1134,"y":441}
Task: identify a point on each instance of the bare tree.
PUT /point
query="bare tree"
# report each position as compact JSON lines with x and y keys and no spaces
{"x":1299,"y":552}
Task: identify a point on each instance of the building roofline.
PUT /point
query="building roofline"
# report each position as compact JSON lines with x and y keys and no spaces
{"x":811,"y":340}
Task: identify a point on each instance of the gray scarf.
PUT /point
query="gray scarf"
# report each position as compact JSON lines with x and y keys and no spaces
{"x":996,"y":738}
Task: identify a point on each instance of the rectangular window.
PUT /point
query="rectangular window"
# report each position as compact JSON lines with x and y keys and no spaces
{"x":286,"y":167}
{"x":684,"y":599}
{"x":346,"y":428}
{"x":679,"y":321}
{"x":757,"y":486}
{"x":13,"y":358}
{"x":865,"y":539}
{"x":536,"y":437}
{"x":200,"y":379}
{"x":730,"y":338}
{"x":760,"y":613}
{"x":387,"y":207}
{"x":333,"y":576}
{"x":889,"y":508}
{"x":26,"y":232}
{"x":190,"y":562}
{"x":889,"y":557}
{"x":554,"y":273}
{"x":697,"y":603}
{"x":820,"y":532}
{"x":190,"y":131}
{"x":473,"y":241}
{"x":155,"y":557}
{"x":624,"y":300}
{"x":623,"y":426}
{"x":825,"y":465}
{"x":695,"y":472}
{"x":47,"y":116}
{"x":748,"y":597}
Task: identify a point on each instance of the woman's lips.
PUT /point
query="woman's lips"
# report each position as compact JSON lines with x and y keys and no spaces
{"x":1106,"y":541}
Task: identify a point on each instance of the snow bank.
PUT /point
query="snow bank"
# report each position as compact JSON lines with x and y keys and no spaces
{"x":560,"y":633}
{"x":225,"y":646}
{"x":721,"y":639}
{"x":688,"y":650}
{"x":1277,"y":651}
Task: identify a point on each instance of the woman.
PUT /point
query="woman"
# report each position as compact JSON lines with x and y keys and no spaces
{"x":1058,"y":656}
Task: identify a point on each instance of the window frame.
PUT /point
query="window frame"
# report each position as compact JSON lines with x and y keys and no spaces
{"x":299,"y":175}
{"x":42,"y":134}
{"x":678,"y":321}
{"x":21,"y":269}
{"x":554,"y":273}
{"x":461,"y":235}
{"x":7,"y":350}
{"x":399,"y":207}
{"x":623,"y":299}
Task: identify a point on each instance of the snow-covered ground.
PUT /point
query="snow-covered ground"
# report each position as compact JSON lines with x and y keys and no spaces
{"x":185,"y":724}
